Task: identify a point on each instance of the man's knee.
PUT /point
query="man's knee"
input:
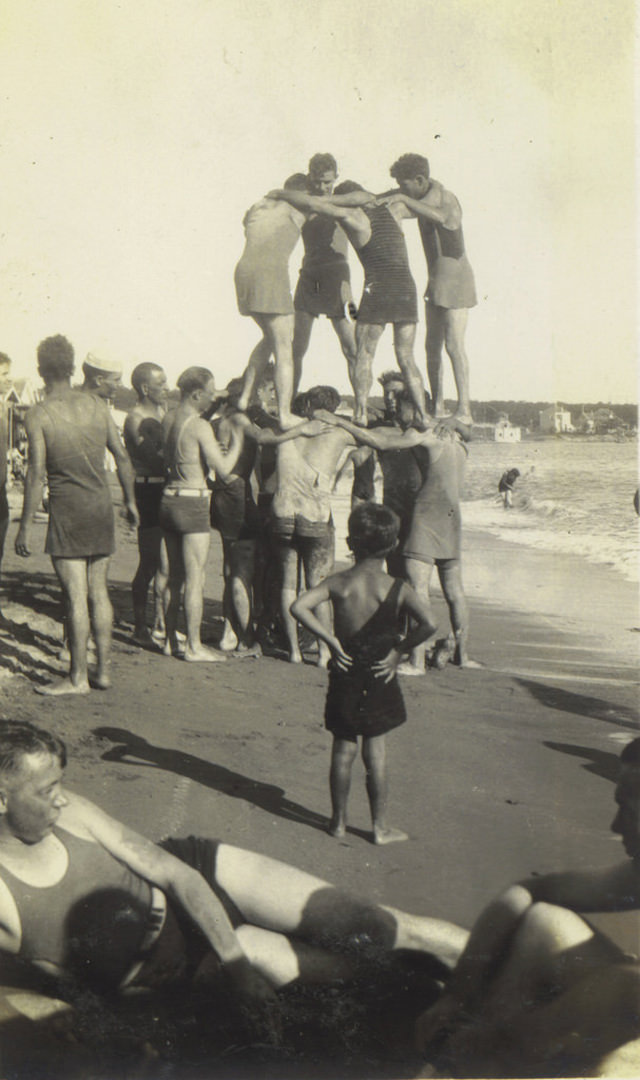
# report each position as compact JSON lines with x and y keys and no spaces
{"x":552,"y":928}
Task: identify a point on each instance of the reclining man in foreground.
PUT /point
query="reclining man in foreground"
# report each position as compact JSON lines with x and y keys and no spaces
{"x":537,"y":990}
{"x":86,"y":899}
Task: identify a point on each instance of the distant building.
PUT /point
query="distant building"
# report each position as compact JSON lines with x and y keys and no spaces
{"x":506,"y":432}
{"x":555,"y":420}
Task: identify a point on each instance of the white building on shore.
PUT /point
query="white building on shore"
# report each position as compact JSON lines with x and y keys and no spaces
{"x":555,"y":420}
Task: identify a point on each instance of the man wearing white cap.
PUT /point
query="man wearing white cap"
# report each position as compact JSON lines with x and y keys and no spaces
{"x":102,"y":378}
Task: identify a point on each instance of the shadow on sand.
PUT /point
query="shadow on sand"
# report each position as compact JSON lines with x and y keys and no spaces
{"x":599,"y":762}
{"x":134,"y":750}
{"x":552,"y":697}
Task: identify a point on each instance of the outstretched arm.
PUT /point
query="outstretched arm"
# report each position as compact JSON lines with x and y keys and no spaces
{"x":311,"y":204}
{"x":267,"y":437}
{"x":186,"y":887}
{"x":448,"y":213}
{"x":381,"y":438}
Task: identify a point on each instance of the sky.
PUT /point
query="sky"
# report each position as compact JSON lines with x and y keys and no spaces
{"x":136,"y":135}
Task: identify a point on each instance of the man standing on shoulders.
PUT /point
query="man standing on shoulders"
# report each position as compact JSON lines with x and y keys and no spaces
{"x":451,"y":288}
{"x":69,"y":433}
{"x":324,"y":284}
{"x":190,"y":453}
{"x":5,"y":383}
{"x":143,"y":440}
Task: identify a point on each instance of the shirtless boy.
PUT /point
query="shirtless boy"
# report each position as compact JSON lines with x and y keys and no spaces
{"x":5,"y":383}
{"x":190,"y":452}
{"x":324,"y":283}
{"x":538,"y":991}
{"x":389,"y":294}
{"x":451,"y":288}
{"x":272,"y":230}
{"x":69,"y":433}
{"x":143,"y":440}
{"x":364,"y":697}
{"x":301,"y":521}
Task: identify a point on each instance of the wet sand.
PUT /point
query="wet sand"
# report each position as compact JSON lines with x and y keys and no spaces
{"x":498,"y":773}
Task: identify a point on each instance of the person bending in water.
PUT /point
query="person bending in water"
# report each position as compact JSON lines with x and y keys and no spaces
{"x":364,"y":697}
{"x":506,"y":486}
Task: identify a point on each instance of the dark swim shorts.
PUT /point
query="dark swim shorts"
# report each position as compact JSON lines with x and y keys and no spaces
{"x":233,"y":512}
{"x":359,"y":704}
{"x":148,"y":498}
{"x":300,"y":527}
{"x":184,"y":514}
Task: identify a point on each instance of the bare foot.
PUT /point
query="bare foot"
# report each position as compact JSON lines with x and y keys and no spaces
{"x":337,"y":829}
{"x":389,"y":836}
{"x":247,"y":652}
{"x":467,"y":663}
{"x":203,"y":655}
{"x":144,"y":639}
{"x":295,"y":657}
{"x":361,"y":418}
{"x":100,"y":680}
{"x":229,"y":639}
{"x":409,"y":669}
{"x":159,"y":637}
{"x":65,"y":686}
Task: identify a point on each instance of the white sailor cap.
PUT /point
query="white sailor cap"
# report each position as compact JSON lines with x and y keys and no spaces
{"x":104,"y":367}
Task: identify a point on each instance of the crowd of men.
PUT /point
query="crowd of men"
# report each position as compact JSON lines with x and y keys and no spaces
{"x":259,"y":462}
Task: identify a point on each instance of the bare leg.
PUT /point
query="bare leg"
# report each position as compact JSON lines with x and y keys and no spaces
{"x":283,"y":961}
{"x":149,"y":541}
{"x":288,"y":564}
{"x":347,"y":337}
{"x":434,"y":346}
{"x":278,"y":332}
{"x":173,"y":542}
{"x":343,"y":754}
{"x":303,"y":323}
{"x":255,"y":368}
{"x":280,"y":897}
{"x":72,"y":575}
{"x":101,"y":613}
{"x":455,"y":325}
{"x":4,"y":525}
{"x":451,"y":581}
{"x":318,"y":560}
{"x":374,"y":755}
{"x":419,"y":576}
{"x":242,"y":565}
{"x":195,"y":548}
{"x":367,"y":337}
{"x":161,"y":589}
{"x":404,"y":336}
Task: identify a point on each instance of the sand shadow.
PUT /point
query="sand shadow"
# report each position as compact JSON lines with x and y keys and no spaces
{"x":552,"y":697}
{"x":599,"y":762}
{"x":267,"y":797}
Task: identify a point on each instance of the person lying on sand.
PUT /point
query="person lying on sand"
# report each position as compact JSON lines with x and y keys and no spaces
{"x":85,"y":898}
{"x":538,"y":991}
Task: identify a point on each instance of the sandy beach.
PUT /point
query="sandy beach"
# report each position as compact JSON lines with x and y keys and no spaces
{"x":499,"y":773}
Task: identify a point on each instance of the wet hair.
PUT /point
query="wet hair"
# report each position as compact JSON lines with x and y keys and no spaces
{"x":392,"y":376}
{"x":321,"y":163}
{"x":346,"y":187}
{"x":300,"y":404}
{"x":372,"y":530}
{"x":21,"y":738}
{"x":630,"y":756}
{"x":194,"y":378}
{"x":409,"y":166}
{"x":4,"y":359}
{"x":234,"y":389}
{"x":323,"y":397}
{"x":55,"y":358}
{"x":141,"y":375}
{"x":296,"y":182}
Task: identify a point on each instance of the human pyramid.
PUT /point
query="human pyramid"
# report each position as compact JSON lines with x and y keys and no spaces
{"x":259,"y":462}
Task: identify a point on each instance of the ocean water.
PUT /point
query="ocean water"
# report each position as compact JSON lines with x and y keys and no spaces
{"x":573,"y":496}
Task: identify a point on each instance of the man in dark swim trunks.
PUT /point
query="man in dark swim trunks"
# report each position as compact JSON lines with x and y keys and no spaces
{"x":451,"y":288}
{"x":190,"y":452}
{"x":143,"y":440}
{"x":389,"y":294}
{"x":324,"y":284}
{"x":69,"y":433}
{"x":85,"y":897}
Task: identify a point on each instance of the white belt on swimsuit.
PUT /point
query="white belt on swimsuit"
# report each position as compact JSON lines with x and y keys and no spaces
{"x":190,"y":492}
{"x":155,"y":921}
{"x":151,"y":479}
